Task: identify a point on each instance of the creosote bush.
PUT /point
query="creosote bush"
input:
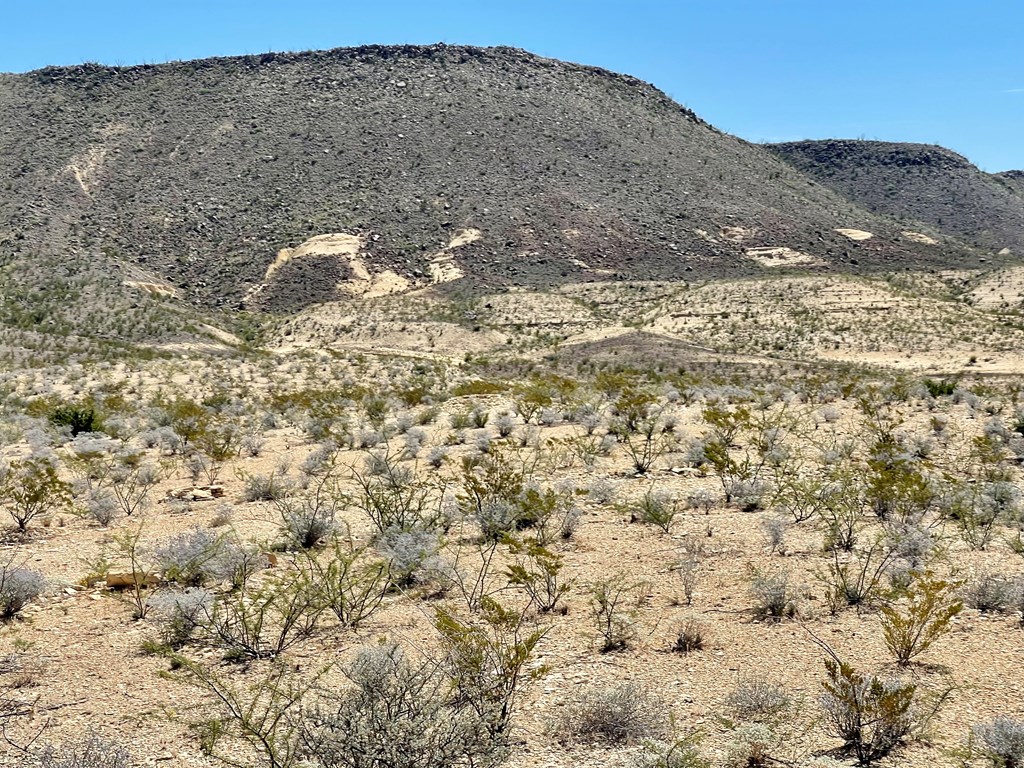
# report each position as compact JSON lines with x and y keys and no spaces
{"x":872,"y":715}
{"x":615,"y":602}
{"x":32,"y":487}
{"x":909,"y":630}
{"x":656,"y":507}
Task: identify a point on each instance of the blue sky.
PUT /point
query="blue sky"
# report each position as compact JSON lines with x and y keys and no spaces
{"x":948,"y":72}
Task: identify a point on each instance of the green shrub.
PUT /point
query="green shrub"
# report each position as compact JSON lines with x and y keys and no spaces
{"x":32,"y":487}
{"x":78,"y":418}
{"x":870,"y":714}
{"x":615,"y":602}
{"x":929,"y":609}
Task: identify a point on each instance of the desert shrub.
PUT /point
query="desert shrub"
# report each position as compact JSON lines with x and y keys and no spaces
{"x":757,"y":698}
{"x":940,"y":387}
{"x":308,"y":520}
{"x":1002,"y":741}
{"x":749,"y":494}
{"x":537,"y":570}
{"x":264,"y":487}
{"x":369,"y":438}
{"x":252,"y":444}
{"x":180,"y":613}
{"x":683,"y":753}
{"x":977,"y":509}
{"x":870,"y":714}
{"x":505,"y":424}
{"x":615,"y":602}
{"x":483,"y":443}
{"x":548,"y":417}
{"x":656,"y":507}
{"x":774,"y":597}
{"x":223,"y":514}
{"x":76,"y":418}
{"x":393,"y":498}
{"x":18,"y":587}
{"x":498,"y":517}
{"x":775,"y":534}
{"x":840,"y":513}
{"x":436,"y":457}
{"x":625,"y":713}
{"x":402,"y":715}
{"x":640,"y":427}
{"x":184,"y":557}
{"x":131,"y":482}
{"x":911,"y":544}
{"x":751,"y":746}
{"x":687,"y":568}
{"x":492,"y":487}
{"x":320,"y":461}
{"x":32,"y":487}
{"x":479,"y":417}
{"x":101,"y":506}
{"x":462,"y":420}
{"x":202,"y":556}
{"x":702,"y":499}
{"x":402,"y":424}
{"x":414,"y":441}
{"x":263,"y":621}
{"x":568,"y":522}
{"x":991,"y":593}
{"x":857,"y":579}
{"x":602,"y":490}
{"x":411,"y":555}
{"x":689,"y":636}
{"x":90,"y":752}
{"x":348,"y":583}
{"x":489,"y":659}
{"x":929,"y":608}
{"x":262,"y":714}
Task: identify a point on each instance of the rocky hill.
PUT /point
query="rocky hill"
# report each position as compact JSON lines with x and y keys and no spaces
{"x":920,"y":184}
{"x":272,"y":182}
{"x":1013,"y":179}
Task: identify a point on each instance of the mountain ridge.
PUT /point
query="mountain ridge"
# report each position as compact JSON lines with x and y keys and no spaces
{"x":924,"y":183}
{"x":201,"y":174}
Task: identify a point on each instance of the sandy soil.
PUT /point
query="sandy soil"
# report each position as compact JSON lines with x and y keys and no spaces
{"x":84,"y":665}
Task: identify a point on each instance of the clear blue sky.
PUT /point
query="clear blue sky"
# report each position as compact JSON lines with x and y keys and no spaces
{"x":948,"y":72}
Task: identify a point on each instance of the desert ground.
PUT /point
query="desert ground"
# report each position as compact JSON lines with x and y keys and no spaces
{"x":639,"y":517}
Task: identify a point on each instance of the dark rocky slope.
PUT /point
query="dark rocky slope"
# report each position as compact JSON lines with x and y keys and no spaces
{"x":920,"y":184}
{"x":198,"y":172}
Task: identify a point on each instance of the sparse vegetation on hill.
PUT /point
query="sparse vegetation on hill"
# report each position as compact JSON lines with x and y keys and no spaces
{"x":437,"y":406}
{"x":191,"y":177}
{"x":918,"y":184}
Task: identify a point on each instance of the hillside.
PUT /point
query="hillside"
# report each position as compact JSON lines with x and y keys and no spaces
{"x":1013,"y":179}
{"x":434,"y":163}
{"x":918,"y":183}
